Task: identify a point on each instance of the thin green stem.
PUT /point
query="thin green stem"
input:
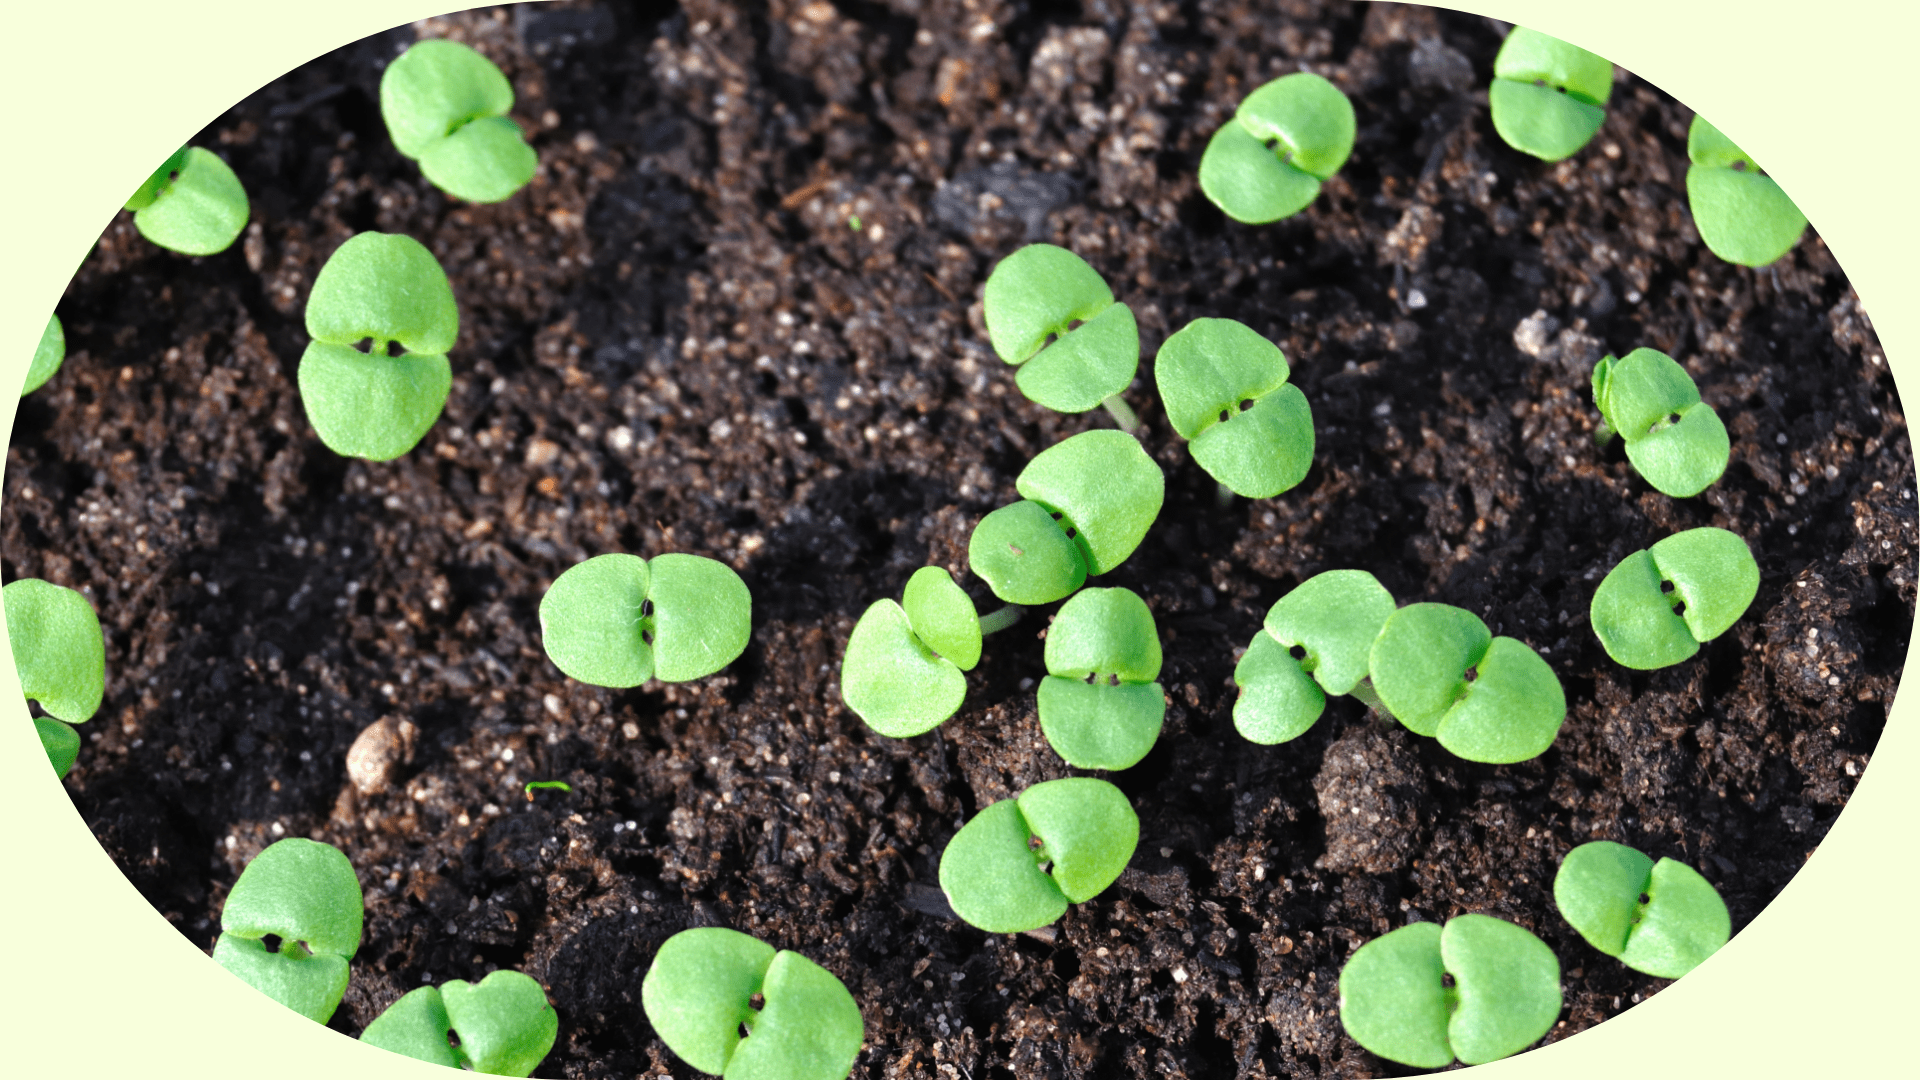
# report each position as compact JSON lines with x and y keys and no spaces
{"x":1122,"y":413}
{"x":1603,"y":434}
{"x":994,"y":621}
{"x":1223,"y":495}
{"x":1363,"y":692}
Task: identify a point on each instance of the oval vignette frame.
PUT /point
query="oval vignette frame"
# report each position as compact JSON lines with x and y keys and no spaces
{"x":1724,"y":1017}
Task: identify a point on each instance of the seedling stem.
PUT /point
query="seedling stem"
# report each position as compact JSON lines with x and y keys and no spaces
{"x":1363,"y":691}
{"x":996,"y":621}
{"x":1122,"y":413}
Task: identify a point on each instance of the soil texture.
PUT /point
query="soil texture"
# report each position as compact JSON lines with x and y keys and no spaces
{"x":736,"y":314}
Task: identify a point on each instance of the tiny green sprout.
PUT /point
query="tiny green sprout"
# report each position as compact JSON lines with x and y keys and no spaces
{"x":1225,"y":389}
{"x":192,"y":204}
{"x":1099,"y":705}
{"x":1019,"y":863}
{"x":446,"y":107}
{"x":1675,"y":440}
{"x":62,"y":660}
{"x":1284,"y":140}
{"x":1316,"y":641}
{"x":902,"y":671}
{"x":1661,"y":918}
{"x":1741,"y":213}
{"x":1086,"y":503}
{"x":547,"y":785}
{"x":1440,"y":672}
{"x":854,"y":223}
{"x":1478,"y":989}
{"x":1658,"y":606}
{"x":47,"y":356}
{"x":503,"y":1024}
{"x":304,"y":893}
{"x":618,"y":620}
{"x":1548,"y":97}
{"x":387,"y":293}
{"x":730,"y":1005}
{"x":1042,"y":292}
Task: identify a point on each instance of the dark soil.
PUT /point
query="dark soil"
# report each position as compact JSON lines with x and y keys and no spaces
{"x":675,"y":340}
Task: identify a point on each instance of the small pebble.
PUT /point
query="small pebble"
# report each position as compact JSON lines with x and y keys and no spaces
{"x":377,"y":752}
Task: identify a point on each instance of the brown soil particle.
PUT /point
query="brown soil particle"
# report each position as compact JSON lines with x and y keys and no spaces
{"x":736,"y":314}
{"x":1373,"y":798}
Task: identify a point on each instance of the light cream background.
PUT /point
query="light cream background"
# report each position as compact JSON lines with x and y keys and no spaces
{"x":97,"y":984}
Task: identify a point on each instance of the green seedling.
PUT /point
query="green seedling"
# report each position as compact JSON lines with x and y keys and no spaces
{"x":192,"y":204}
{"x":1284,"y":140}
{"x":47,"y":356}
{"x":382,"y":319}
{"x":500,"y":1026}
{"x":1658,"y":606}
{"x":446,"y":107}
{"x":1440,"y":672}
{"x":305,"y":894}
{"x":1661,"y":918}
{"x":1478,"y":989}
{"x":1316,"y":641}
{"x":1674,"y":440}
{"x":62,"y":660}
{"x":1086,"y":503}
{"x":1741,"y":213}
{"x":1099,"y":705}
{"x":619,"y":620}
{"x":1548,"y":97}
{"x":902,"y":672}
{"x":546,"y":785}
{"x":1019,"y":863}
{"x":1225,"y":389}
{"x":730,"y":1005}
{"x":1042,"y":293}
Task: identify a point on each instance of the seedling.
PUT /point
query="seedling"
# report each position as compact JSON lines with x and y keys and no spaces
{"x":1741,"y":213}
{"x":1548,"y":97}
{"x":1225,"y":389}
{"x":1284,"y":140}
{"x":1100,"y":707}
{"x":446,"y":107}
{"x":1440,"y":672}
{"x":1674,"y":440}
{"x":1019,"y":863}
{"x":1658,"y":606}
{"x":500,"y":1026}
{"x":729,"y":1004}
{"x":1316,"y":641}
{"x":619,"y":620}
{"x":1478,"y":989}
{"x":304,"y":894}
{"x":382,"y":318}
{"x":1662,"y":917}
{"x":62,"y":660}
{"x":1044,"y":292}
{"x":46,"y":356}
{"x":902,"y":672}
{"x":192,"y":204}
{"x":547,"y":785}
{"x":1086,"y":504}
